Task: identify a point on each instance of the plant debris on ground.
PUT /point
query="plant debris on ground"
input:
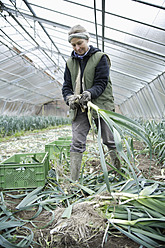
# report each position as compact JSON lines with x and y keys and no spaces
{"x":67,"y":214}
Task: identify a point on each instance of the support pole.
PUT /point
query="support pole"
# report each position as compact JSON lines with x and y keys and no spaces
{"x":96,"y":24}
{"x":103,"y":23}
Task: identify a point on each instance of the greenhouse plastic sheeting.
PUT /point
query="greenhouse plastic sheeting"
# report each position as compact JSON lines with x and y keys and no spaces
{"x":34,"y":50}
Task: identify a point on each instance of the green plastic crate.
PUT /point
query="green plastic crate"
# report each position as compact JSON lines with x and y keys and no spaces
{"x":65,"y":138}
{"x":24,"y":171}
{"x":58,"y":147}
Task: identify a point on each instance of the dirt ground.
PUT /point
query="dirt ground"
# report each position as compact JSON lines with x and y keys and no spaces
{"x":67,"y":238}
{"x":78,"y":223}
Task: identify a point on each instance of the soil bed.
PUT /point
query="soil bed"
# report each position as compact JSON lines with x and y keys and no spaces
{"x":75,"y":232}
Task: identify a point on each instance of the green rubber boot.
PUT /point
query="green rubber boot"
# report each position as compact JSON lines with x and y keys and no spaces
{"x":75,"y":164}
{"x":114,"y":159}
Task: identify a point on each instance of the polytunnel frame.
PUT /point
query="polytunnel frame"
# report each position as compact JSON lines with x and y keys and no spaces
{"x":14,"y":106}
{"x":106,"y":40}
{"x":139,"y":95}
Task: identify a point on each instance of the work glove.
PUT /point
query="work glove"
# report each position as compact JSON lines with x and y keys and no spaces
{"x":85,"y":97}
{"x":73,"y":101}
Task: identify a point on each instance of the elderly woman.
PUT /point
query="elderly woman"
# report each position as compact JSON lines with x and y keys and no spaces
{"x":86,"y":78}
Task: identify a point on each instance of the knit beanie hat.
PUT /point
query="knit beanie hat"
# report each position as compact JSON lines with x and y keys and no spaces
{"x":78,"y":31}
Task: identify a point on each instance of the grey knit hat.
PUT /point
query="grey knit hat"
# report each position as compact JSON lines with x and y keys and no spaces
{"x":78,"y":31}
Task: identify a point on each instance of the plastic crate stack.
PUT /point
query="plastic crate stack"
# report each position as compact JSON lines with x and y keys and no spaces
{"x":30,"y":170}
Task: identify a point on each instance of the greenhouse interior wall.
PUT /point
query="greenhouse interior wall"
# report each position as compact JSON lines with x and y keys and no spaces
{"x":34,"y":49}
{"x":147,"y":103}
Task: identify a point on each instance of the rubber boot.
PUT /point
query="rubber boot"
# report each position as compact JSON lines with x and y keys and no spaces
{"x":75,"y":164}
{"x":114,"y":159}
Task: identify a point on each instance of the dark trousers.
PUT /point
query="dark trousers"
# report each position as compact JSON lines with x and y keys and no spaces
{"x":80,"y":130}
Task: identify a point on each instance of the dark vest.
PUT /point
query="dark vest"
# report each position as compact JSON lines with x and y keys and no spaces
{"x":106,"y":99}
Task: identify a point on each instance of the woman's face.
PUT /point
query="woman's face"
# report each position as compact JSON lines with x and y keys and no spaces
{"x":80,"y":46}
